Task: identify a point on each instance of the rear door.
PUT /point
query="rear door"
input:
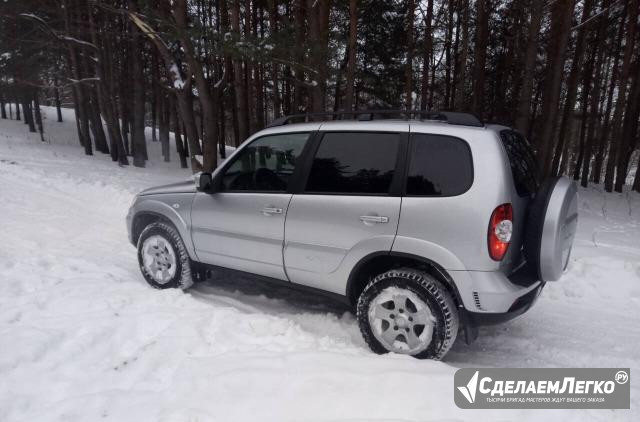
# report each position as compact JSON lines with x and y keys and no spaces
{"x":524,"y":172}
{"x":348,"y":207}
{"x":242,"y":227}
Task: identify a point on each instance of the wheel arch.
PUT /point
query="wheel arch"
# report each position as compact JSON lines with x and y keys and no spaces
{"x":142,"y":219}
{"x":178,"y":214}
{"x":379,"y":262}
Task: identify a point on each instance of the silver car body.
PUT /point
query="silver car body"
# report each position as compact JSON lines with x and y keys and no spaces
{"x":318,"y":240}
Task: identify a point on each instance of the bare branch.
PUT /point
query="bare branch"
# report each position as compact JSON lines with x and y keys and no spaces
{"x":48,"y":29}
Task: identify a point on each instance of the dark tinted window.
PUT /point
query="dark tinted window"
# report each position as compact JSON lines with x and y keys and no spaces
{"x":439,"y":166}
{"x":266,"y":164}
{"x":522,"y":161}
{"x":361,"y":163}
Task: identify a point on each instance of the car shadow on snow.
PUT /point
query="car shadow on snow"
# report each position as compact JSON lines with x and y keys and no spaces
{"x":495,"y":346}
{"x":253,"y":294}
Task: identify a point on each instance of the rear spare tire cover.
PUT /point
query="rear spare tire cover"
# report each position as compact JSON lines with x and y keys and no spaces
{"x":551,"y":227}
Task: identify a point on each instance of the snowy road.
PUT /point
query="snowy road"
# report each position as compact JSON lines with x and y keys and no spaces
{"x":82,"y":337}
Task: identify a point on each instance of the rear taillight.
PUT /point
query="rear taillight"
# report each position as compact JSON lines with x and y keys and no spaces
{"x":500,"y":229}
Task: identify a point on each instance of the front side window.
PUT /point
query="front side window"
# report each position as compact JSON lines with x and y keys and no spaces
{"x":354,"y":162}
{"x":265,"y":165}
{"x":439,"y":165}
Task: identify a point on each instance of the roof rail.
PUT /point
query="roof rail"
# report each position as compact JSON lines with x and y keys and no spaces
{"x":451,"y":117}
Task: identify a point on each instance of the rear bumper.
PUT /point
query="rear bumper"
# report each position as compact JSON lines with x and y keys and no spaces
{"x":492,"y":293}
{"x":493,"y":298}
{"x":519,"y":306}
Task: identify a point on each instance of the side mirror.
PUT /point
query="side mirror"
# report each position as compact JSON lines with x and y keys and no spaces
{"x":204,"y":182}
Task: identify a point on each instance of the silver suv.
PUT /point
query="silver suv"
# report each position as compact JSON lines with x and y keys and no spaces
{"x":425,"y":226}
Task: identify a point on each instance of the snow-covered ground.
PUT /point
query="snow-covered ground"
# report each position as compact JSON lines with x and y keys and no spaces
{"x":83,"y":338}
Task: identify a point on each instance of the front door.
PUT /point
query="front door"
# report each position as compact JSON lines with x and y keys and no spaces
{"x":242,"y":226}
{"x":347,"y":210}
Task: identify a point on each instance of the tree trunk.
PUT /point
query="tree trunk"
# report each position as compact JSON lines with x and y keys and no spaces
{"x":17,"y":109}
{"x":319,"y":40}
{"x":138,"y":140}
{"x":629,"y":129}
{"x":103,"y":90}
{"x":561,"y":13}
{"x":585,"y":143}
{"x":338,"y":103}
{"x":273,"y":28}
{"x":155,"y":100}
{"x":36,"y":108}
{"x":163,"y":124}
{"x":96,"y":123}
{"x":81,"y":139}
{"x":239,"y":86}
{"x":603,"y":134}
{"x":595,"y":98}
{"x":182,"y":87}
{"x":298,"y":69}
{"x":482,"y":35}
{"x":124,"y":119}
{"x":447,"y":54}
{"x":185,"y":105}
{"x":56,"y":93}
{"x":258,"y":77}
{"x":460,"y":100}
{"x":572,"y":86}
{"x":523,"y":113}
{"x":3,"y":111}
{"x":455,"y":4}
{"x":80,"y":100}
{"x":222,"y":142}
{"x":636,"y":181}
{"x":229,"y":66}
{"x":625,"y":136}
{"x":616,"y":141}
{"x":408,"y":67}
{"x":27,"y":111}
{"x":351,"y":60}
{"x":249,"y":70}
{"x":180,"y":147}
{"x":208,"y":101}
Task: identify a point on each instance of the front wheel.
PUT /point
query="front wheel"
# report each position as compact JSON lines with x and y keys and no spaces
{"x":409,"y":312}
{"x":163,"y":257}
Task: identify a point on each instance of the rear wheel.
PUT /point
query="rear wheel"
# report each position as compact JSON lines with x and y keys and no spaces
{"x":163,"y":257}
{"x":409,"y":312}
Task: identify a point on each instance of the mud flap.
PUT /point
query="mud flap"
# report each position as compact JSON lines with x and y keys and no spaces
{"x":470,"y":329}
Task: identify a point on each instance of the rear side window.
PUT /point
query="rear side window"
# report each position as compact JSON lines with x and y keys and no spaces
{"x":522,"y":161}
{"x":354,"y":162}
{"x":439,"y":166}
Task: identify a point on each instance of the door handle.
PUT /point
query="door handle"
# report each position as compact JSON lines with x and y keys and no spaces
{"x":373,"y":219}
{"x":271,"y":210}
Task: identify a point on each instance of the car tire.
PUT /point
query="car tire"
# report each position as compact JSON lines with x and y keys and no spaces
{"x":386,"y":293}
{"x":163,"y":258}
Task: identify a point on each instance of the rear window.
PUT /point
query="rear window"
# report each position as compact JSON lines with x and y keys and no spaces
{"x":354,"y":162}
{"x":439,"y":166}
{"x":522,"y":161}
